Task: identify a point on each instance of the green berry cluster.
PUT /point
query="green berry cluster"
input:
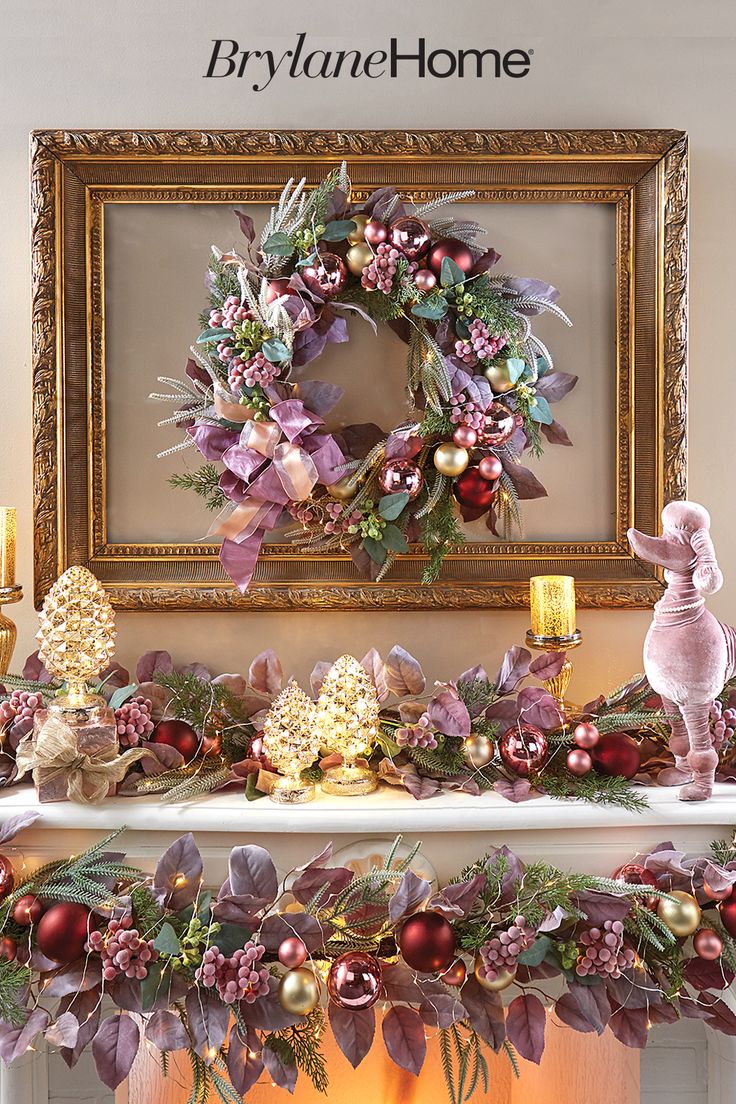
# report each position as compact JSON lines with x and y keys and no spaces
{"x":569,"y":953}
{"x":306,"y":240}
{"x":249,"y":337}
{"x":258,"y":403}
{"x":372,"y":524}
{"x":462,"y":301}
{"x":191,"y":942}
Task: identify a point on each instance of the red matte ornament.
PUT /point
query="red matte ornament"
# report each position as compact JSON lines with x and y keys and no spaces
{"x":355,"y":981}
{"x":8,"y":949}
{"x":7,"y":877}
{"x":727,"y":910}
{"x":427,"y":942}
{"x":523,"y":748}
{"x":179,"y":735}
{"x":455,"y":250}
{"x":472,"y":490}
{"x":63,"y":931}
{"x":27,"y":910}
{"x":616,"y":754}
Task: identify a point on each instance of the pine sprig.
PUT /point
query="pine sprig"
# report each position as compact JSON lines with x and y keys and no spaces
{"x":205,"y":482}
{"x":300,"y":1045}
{"x":82,"y":878}
{"x":594,"y":788}
{"x":441,"y":533}
{"x":14,"y":980}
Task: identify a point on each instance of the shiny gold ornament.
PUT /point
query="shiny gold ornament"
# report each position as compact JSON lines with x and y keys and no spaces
{"x":502,"y":981}
{"x":299,"y":991}
{"x":499,"y":378}
{"x":478,"y":751}
{"x":347,"y":722}
{"x":291,"y":742}
{"x":76,"y":639}
{"x":682,"y":916}
{"x":450,"y":460}
{"x":345,"y":488}
{"x":358,"y":256}
{"x":358,"y":234}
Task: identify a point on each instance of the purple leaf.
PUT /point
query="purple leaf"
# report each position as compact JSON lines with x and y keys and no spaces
{"x":630,"y":1026}
{"x":15,"y":824}
{"x":409,"y":894}
{"x":599,"y":907}
{"x":353,"y":1031}
{"x":707,"y":975}
{"x":265,"y":673}
{"x":717,"y":877}
{"x":402,"y":984}
{"x":15,"y":1041}
{"x":179,"y":873}
{"x":314,"y":878}
{"x":505,"y":711}
{"x":373,"y":664}
{"x":458,"y":899}
{"x":247,"y":227}
{"x":449,"y":714}
{"x":525,"y":482}
{"x":283,"y":1074}
{"x":538,"y":707}
{"x":442,"y":1010}
{"x":318,"y":674}
{"x":485,"y":1012}
{"x":64,"y":1032}
{"x":474,"y":674}
{"x":34,"y":669}
{"x":547,"y":665}
{"x":266,"y":1014}
{"x":77,"y":978}
{"x":402,"y":673}
{"x":556,"y":434}
{"x":208,"y":1020}
{"x":244,"y":1063}
{"x":554,"y":385}
{"x":517,"y":791}
{"x":514,"y":668}
{"x":584,"y":1008}
{"x":252,"y":871}
{"x":719,"y":1015}
{"x":278,"y":927}
{"x":236,"y":684}
{"x":421,"y":788}
{"x":403,"y":1034}
{"x":86,"y":1008}
{"x":127,"y":993}
{"x":197,"y":669}
{"x":239,"y":908}
{"x":163,"y":757}
{"x":525,"y":1023}
{"x":166,"y":1031}
{"x":634,"y":988}
{"x":114,"y":1048}
{"x":153,"y":663}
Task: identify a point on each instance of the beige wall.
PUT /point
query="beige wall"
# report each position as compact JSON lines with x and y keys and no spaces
{"x":633,"y":63}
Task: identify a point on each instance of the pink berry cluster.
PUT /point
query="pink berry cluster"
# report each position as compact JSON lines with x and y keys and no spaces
{"x":122,"y":950}
{"x":133,"y":720}
{"x":502,"y":951}
{"x":419,"y":735}
{"x":18,"y":710}
{"x":257,"y":370}
{"x":232,"y":312}
{"x":722,"y":723}
{"x":604,"y":952}
{"x":465,"y":412}
{"x":479,"y":345}
{"x":379,"y":273}
{"x":336,"y":524}
{"x":238,"y":977}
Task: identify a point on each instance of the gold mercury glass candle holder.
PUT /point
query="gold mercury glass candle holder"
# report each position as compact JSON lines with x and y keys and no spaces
{"x":347,"y":720}
{"x":9,"y":592}
{"x":553,"y":628}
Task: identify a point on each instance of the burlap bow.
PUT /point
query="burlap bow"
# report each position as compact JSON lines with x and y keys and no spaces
{"x":54,"y":754}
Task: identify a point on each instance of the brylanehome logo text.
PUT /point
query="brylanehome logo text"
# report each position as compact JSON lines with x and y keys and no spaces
{"x":227,"y":59}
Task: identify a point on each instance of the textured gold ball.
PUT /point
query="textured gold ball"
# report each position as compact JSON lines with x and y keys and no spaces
{"x":502,"y":981}
{"x":299,"y":991}
{"x":682,"y":916}
{"x":358,"y":234}
{"x":450,"y":460}
{"x":477,"y":750}
{"x":344,"y":489}
{"x":357,"y":257}
{"x":498,"y":377}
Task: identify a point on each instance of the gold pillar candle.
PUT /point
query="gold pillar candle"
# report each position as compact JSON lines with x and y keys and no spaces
{"x":552,"y":601}
{"x":7,"y":546}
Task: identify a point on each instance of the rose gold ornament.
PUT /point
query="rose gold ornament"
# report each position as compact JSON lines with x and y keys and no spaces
{"x":502,"y":980}
{"x":708,"y":944}
{"x":375,"y":232}
{"x":354,"y":981}
{"x":456,"y":974}
{"x":464,"y":437}
{"x":292,"y":952}
{"x":425,"y":280}
{"x":326,"y":276}
{"x":578,"y":762}
{"x":411,"y":236}
{"x":586,"y":735}
{"x":401,"y":477}
{"x":8,"y":948}
{"x":450,"y":460}
{"x":633,"y":873}
{"x":478,"y":750}
{"x":498,"y":425}
{"x":716,"y":894}
{"x":455,"y":250}
{"x":358,"y":256}
{"x":523,"y":748}
{"x":490,"y":468}
{"x":358,"y":234}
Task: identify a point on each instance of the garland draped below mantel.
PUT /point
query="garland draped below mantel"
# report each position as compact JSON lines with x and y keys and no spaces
{"x":244,"y":979}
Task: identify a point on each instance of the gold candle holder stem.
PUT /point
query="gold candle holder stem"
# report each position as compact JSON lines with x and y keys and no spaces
{"x":8,"y":631}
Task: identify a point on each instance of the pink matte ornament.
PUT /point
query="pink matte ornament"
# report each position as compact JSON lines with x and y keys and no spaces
{"x":375,"y":232}
{"x":464,"y":437}
{"x":708,"y":944}
{"x":490,"y":468}
{"x":292,"y":953}
{"x":425,"y":280}
{"x":578,"y":762}
{"x":586,"y":735}
{"x":716,"y":894}
{"x":688,"y":654}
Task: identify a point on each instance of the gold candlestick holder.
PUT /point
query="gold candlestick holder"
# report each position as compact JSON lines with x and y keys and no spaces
{"x":553,"y":628}
{"x":8,"y":631}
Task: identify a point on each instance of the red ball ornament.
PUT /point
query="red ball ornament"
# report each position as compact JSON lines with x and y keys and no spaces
{"x":456,"y":974}
{"x":179,"y":735}
{"x":27,"y":910}
{"x":464,"y":437}
{"x":427,"y":942}
{"x":375,"y":232}
{"x":498,"y":426}
{"x":292,"y":953}
{"x":455,"y":250}
{"x":633,"y":873}
{"x":578,"y":762}
{"x":63,"y":931}
{"x":727,"y":910}
{"x":616,"y":754}
{"x":708,"y":944}
{"x":8,"y":949}
{"x":472,"y":490}
{"x":276,"y":288}
{"x":425,"y":280}
{"x":411,"y":236}
{"x":7,"y":877}
{"x":523,"y":748}
{"x":355,"y":981}
{"x":716,"y":894}
{"x":586,"y":735}
{"x":326,"y":276}
{"x":401,"y":477}
{"x":490,"y":468}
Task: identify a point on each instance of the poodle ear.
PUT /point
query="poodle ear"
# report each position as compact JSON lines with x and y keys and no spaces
{"x":707,"y":577}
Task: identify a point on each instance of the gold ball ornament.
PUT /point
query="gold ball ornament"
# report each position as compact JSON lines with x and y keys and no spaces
{"x":358,"y":256}
{"x":682,"y":916}
{"x":345,"y":488}
{"x":299,"y":991}
{"x":478,"y":750}
{"x":503,"y":978}
{"x":499,"y":379}
{"x":358,"y":234}
{"x":450,"y":460}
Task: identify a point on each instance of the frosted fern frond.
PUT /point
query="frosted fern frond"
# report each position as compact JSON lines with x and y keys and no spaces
{"x":441,"y":200}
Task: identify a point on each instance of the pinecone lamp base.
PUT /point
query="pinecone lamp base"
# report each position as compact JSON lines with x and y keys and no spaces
{"x":349,"y":780}
{"x":292,"y":791}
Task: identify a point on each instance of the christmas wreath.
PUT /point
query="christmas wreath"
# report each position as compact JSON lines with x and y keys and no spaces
{"x":479,"y":382}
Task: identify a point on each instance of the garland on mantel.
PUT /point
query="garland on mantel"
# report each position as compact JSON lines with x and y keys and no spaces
{"x":203,"y":733}
{"x":243,"y":980}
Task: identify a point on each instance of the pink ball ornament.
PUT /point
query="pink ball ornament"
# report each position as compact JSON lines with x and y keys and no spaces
{"x":578,"y":762}
{"x":708,"y":944}
{"x":354,"y":981}
{"x":490,"y":468}
{"x":410,"y":235}
{"x":401,"y":477}
{"x":716,"y":894}
{"x":276,"y":288}
{"x":455,"y":250}
{"x":292,"y":953}
{"x":326,"y":276}
{"x":586,"y":735}
{"x":425,"y":280}
{"x":498,"y":425}
{"x":456,"y":974}
{"x":523,"y":749}
{"x":375,"y":232}
{"x":464,"y":437}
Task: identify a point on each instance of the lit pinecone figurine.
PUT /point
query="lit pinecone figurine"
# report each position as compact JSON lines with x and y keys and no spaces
{"x":291,"y":742}
{"x":347,"y":719}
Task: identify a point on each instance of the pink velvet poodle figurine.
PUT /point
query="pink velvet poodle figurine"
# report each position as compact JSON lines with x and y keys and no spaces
{"x":688,"y":654}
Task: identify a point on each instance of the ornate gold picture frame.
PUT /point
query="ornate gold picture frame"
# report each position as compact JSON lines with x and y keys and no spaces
{"x":641,"y":175}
